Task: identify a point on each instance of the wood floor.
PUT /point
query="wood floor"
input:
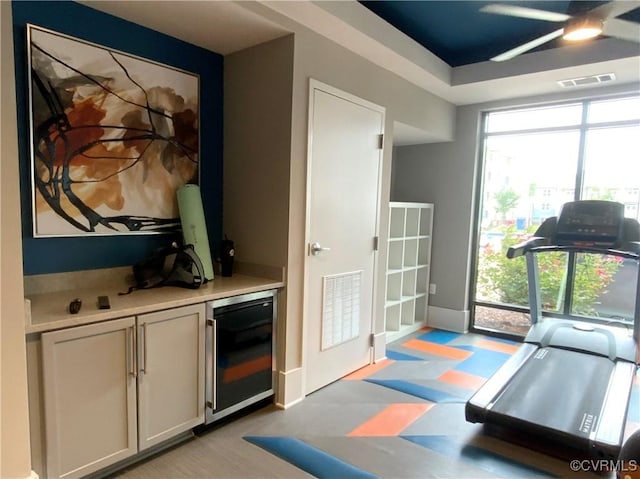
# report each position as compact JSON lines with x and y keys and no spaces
{"x":220,"y":453}
{"x":400,"y":419}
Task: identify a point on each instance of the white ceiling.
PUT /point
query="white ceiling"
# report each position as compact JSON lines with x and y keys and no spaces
{"x":227,"y":26}
{"x":217,"y":25}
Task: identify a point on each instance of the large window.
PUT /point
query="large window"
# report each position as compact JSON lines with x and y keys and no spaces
{"x":533,"y":161}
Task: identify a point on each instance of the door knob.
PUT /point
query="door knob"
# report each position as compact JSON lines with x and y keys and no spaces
{"x":316,"y":248}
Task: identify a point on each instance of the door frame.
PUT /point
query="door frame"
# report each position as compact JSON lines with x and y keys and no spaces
{"x":318,"y":85}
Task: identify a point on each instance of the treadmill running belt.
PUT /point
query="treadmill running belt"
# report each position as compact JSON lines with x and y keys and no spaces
{"x":557,"y":389}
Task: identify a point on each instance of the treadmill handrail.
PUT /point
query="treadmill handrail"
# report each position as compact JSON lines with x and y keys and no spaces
{"x":543,"y":245}
{"x":521,"y":248}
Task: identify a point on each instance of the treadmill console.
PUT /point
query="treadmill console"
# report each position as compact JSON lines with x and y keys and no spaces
{"x":590,"y":223}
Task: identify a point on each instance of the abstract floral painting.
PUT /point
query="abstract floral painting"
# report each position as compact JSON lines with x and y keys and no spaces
{"x":113,"y":137}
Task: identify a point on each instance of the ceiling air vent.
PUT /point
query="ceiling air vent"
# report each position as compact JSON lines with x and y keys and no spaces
{"x":586,"y":81}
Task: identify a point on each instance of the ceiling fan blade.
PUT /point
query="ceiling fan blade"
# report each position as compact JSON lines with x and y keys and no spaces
{"x":527,"y":46}
{"x":524,"y":12}
{"x":614,"y":9}
{"x":622,"y":29}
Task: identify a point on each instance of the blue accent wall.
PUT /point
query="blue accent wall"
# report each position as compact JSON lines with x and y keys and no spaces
{"x":52,"y":255}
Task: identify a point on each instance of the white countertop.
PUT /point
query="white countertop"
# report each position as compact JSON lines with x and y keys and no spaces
{"x":50,"y":311}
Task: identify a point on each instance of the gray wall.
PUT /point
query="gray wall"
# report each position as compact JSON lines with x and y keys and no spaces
{"x":257,"y":150}
{"x":257,"y":145}
{"x":445,"y":174}
{"x":314,"y":56}
{"x":15,"y":454}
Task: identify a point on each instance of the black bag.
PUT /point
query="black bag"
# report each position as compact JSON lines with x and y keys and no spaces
{"x":171,"y":266}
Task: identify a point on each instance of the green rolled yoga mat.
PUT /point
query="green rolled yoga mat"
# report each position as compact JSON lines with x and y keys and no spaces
{"x":194,"y":228}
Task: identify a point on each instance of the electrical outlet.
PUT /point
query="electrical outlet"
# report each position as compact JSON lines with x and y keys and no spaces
{"x":432,"y":288}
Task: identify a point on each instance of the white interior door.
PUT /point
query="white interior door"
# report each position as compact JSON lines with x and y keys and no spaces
{"x":343,"y":182}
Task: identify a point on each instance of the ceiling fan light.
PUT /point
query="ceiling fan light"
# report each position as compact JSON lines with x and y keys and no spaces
{"x":582,"y":29}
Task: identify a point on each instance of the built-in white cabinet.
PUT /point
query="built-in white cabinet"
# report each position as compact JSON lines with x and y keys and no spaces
{"x":408,"y":268}
{"x":115,"y":388}
{"x":171,"y":373}
{"x":89,"y":397}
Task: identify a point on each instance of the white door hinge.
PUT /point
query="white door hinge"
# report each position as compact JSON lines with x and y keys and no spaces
{"x":380,"y":141}
{"x":376,"y":240}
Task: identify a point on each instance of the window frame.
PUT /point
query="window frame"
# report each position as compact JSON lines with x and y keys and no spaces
{"x":582,"y":128}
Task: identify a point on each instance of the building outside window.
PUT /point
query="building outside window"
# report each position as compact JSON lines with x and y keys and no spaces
{"x":533,"y":161}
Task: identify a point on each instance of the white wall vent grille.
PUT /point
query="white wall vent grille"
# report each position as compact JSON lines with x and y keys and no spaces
{"x":340,"y":308}
{"x":586,"y":81}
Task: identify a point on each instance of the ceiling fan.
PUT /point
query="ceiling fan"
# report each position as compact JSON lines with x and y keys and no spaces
{"x":578,"y":26}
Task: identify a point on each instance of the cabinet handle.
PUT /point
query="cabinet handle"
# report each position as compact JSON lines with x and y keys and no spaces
{"x":144,"y":344}
{"x":131,"y":351}
{"x":214,"y":363}
{"x":143,"y":348}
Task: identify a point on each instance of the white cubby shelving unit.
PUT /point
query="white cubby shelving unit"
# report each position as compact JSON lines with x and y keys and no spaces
{"x":408,"y":266}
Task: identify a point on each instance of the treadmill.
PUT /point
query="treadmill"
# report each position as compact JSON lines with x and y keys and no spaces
{"x":570,"y":381}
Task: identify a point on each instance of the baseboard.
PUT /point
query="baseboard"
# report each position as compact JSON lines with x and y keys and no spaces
{"x":379,"y":346}
{"x":290,"y":389}
{"x":448,"y":319}
{"x":288,"y":405}
{"x":33,"y":475}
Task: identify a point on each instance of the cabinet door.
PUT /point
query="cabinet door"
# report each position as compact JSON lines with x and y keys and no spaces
{"x":89,"y":397}
{"x":170,"y":373}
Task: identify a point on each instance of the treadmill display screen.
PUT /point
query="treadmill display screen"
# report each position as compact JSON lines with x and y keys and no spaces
{"x":590,"y":222}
